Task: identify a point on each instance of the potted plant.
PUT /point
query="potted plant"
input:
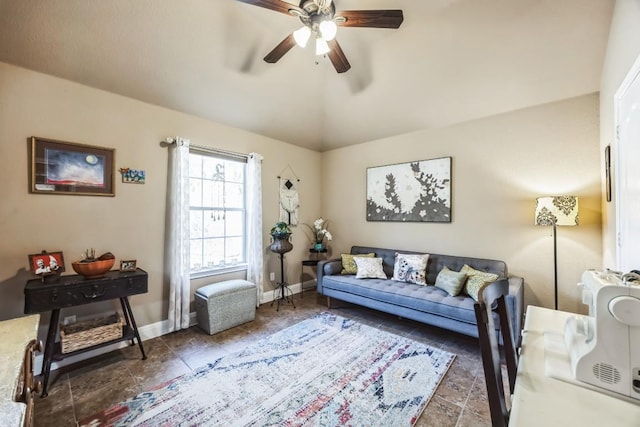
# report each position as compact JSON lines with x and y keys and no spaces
{"x":281,"y":233}
{"x":319,"y":232}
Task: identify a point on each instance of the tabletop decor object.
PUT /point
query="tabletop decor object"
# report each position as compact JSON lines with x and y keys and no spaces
{"x":319,"y":232}
{"x":46,"y":263}
{"x":128,"y":265}
{"x":91,"y":267}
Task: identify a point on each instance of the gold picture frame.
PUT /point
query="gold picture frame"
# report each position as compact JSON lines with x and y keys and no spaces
{"x":128,"y":265}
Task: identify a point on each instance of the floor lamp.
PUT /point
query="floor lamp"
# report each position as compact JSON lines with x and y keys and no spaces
{"x":556,"y":211}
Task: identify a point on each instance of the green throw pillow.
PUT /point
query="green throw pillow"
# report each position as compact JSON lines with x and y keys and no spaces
{"x":349,"y":265}
{"x":451,"y":281}
{"x":476,"y":281}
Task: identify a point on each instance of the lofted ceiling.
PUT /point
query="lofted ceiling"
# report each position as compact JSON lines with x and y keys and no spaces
{"x":451,"y":61}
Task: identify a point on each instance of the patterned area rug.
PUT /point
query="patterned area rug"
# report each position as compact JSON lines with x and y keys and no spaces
{"x":324,"y":371}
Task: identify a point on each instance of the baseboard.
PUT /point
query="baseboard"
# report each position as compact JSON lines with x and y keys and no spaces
{"x":146,"y":332}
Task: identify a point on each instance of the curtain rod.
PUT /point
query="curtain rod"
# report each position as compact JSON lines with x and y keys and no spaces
{"x":232,"y":154}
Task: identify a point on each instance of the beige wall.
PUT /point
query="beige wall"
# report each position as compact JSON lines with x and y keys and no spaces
{"x":622,"y":51}
{"x":131,"y":224}
{"x":500,"y":165}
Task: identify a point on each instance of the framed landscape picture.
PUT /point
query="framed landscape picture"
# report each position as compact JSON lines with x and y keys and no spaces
{"x":417,"y":191}
{"x":58,"y":167}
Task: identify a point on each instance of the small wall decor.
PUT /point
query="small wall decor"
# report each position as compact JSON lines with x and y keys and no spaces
{"x":58,"y":167}
{"x":46,"y":263}
{"x":128,"y":265}
{"x":417,"y":191}
{"x":132,"y":176}
{"x":607,"y":171}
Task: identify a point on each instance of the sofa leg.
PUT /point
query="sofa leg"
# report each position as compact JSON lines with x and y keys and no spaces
{"x":328,"y":302}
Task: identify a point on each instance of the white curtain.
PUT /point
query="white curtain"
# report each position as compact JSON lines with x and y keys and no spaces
{"x":255,"y":267}
{"x":178,"y":254}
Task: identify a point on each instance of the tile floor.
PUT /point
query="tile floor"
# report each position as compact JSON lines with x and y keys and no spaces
{"x":82,"y":389}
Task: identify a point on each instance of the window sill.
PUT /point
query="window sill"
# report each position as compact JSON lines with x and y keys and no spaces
{"x":218,"y":271}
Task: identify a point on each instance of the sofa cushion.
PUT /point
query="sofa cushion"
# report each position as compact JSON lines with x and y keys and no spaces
{"x":451,"y":281}
{"x":436,"y":262}
{"x":410,"y":268}
{"x":349,"y":265}
{"x":428,"y":299}
{"x":369,"y":268}
{"x":476,"y":281}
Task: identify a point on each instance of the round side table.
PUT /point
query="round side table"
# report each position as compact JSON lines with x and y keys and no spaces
{"x":313,"y":263}
{"x":316,"y":256}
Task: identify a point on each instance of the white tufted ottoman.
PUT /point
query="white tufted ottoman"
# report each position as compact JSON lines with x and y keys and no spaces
{"x":223,"y":305}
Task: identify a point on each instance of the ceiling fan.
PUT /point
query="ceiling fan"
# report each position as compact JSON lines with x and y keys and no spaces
{"x":320,"y":20}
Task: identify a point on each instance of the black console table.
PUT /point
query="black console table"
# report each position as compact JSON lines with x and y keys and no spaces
{"x":74,"y":290}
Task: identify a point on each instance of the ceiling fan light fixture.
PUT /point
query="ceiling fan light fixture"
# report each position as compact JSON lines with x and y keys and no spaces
{"x":328,"y":30}
{"x":302,"y":35}
{"x":322,"y":47}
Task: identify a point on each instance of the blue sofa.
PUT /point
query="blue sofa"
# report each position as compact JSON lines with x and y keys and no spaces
{"x":426,"y":304}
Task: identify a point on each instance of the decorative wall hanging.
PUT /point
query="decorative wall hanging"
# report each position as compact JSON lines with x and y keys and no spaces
{"x":289,"y":200}
{"x":607,"y":172}
{"x":132,"y":176}
{"x":58,"y":167}
{"x":410,"y":192}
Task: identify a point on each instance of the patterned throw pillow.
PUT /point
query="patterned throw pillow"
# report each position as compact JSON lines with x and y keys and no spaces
{"x":411,"y":268}
{"x":369,"y":268}
{"x":451,"y":281}
{"x":349,"y":265}
{"x":476,"y":281}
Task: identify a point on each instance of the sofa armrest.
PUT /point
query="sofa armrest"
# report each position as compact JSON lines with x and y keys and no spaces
{"x":515,"y":304}
{"x":327,"y":268}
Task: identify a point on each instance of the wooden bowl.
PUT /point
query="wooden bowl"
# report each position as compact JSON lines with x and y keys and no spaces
{"x":93,"y":269}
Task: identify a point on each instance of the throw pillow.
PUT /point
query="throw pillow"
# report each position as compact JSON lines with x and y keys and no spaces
{"x":451,"y":281}
{"x":476,"y":281}
{"x":349,"y":265}
{"x":369,"y":268}
{"x":411,"y":268}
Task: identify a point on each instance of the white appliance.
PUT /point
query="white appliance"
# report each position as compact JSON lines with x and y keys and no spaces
{"x":604,"y":347}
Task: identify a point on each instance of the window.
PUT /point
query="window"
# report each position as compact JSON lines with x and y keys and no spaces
{"x":217,"y":213}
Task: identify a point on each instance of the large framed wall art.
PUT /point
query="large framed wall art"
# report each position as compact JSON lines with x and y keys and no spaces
{"x":417,"y":191}
{"x":58,"y":167}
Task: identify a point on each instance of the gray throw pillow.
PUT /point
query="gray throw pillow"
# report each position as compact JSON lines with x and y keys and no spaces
{"x":451,"y":281}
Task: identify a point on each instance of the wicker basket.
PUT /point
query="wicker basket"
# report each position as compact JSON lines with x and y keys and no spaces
{"x":91,"y":332}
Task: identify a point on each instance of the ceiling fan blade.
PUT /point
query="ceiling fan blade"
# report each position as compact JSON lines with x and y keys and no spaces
{"x":337,"y":57}
{"x":369,"y":18}
{"x":278,"y":52}
{"x":276,"y":5}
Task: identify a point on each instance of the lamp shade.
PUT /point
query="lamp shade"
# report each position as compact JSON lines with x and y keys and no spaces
{"x":321,"y":46}
{"x":557,"y":210}
{"x":328,"y":30}
{"x":301,"y":36}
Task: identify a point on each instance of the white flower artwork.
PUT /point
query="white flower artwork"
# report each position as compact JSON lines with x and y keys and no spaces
{"x":410,"y":192}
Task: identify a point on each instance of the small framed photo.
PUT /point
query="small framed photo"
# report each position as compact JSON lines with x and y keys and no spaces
{"x":46,"y":263}
{"x":59,"y":167}
{"x":128,"y":265}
